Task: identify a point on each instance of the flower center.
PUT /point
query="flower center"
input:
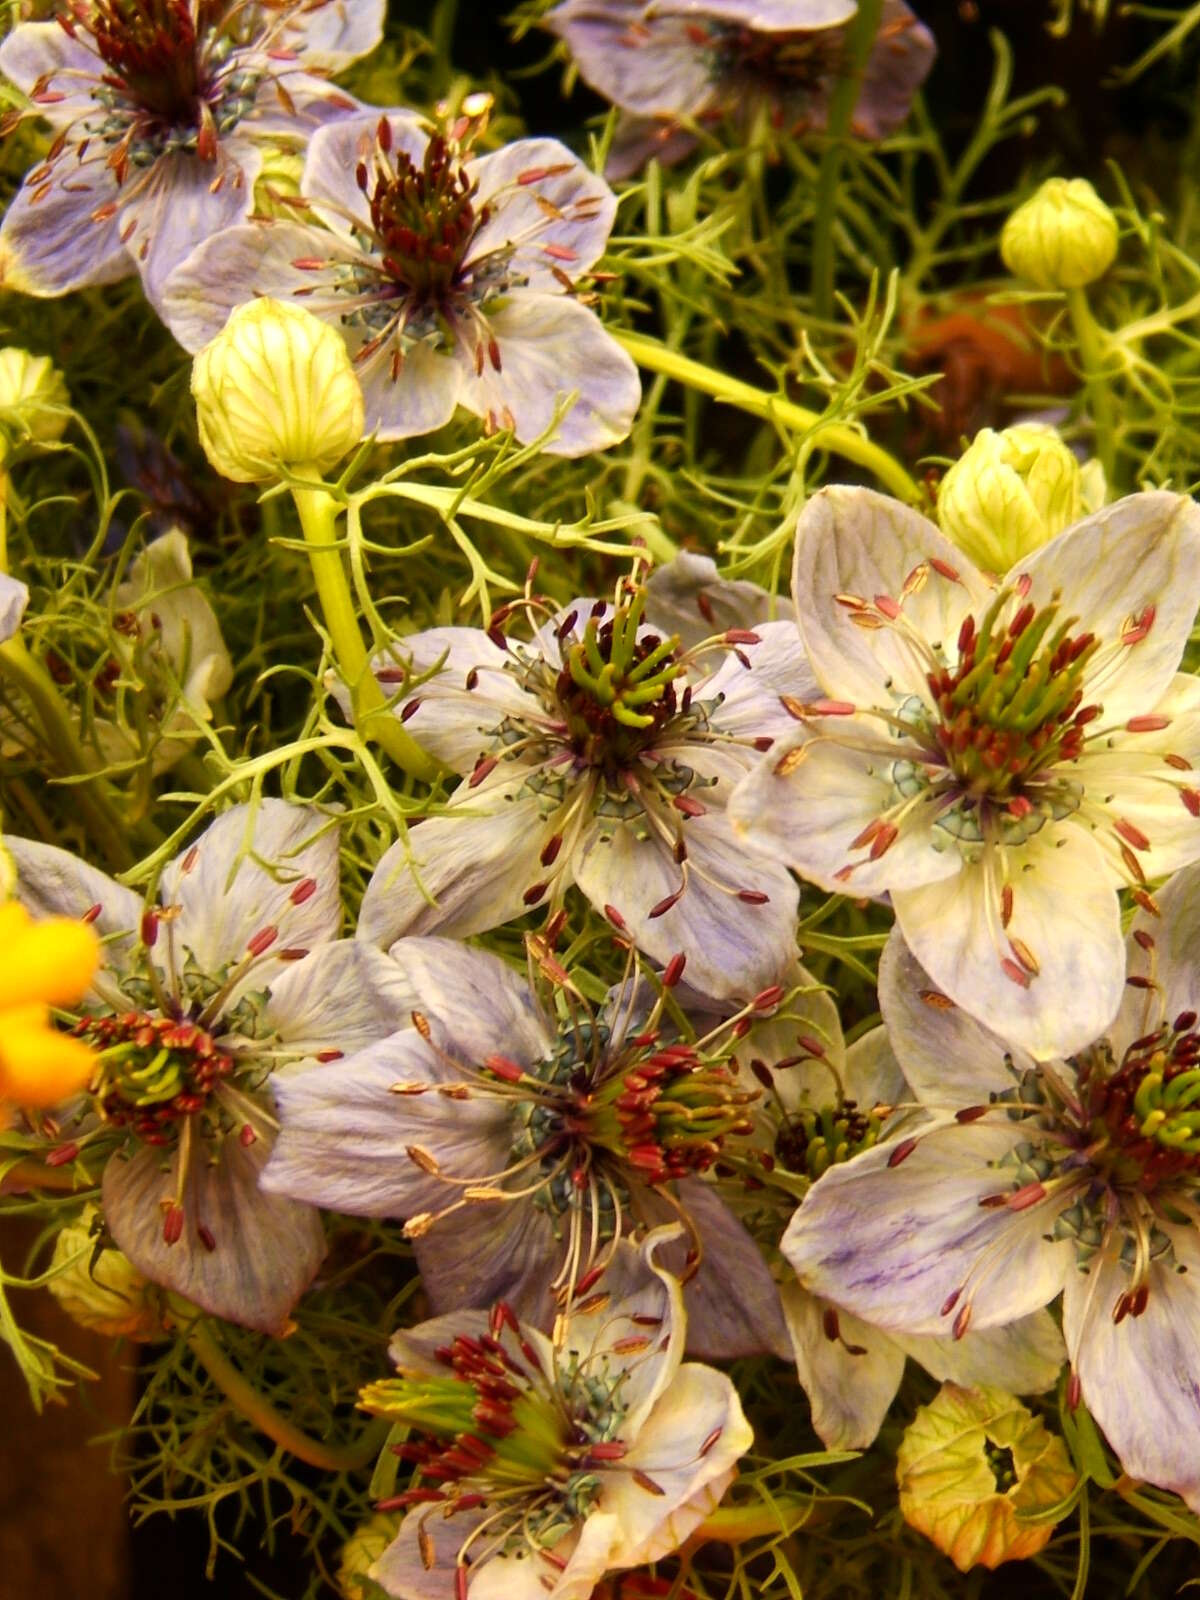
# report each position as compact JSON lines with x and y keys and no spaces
{"x":810,"y":1140}
{"x":616,"y":690}
{"x":1146,"y":1115}
{"x":423,"y":217}
{"x":1011,"y":709}
{"x":151,"y":48}
{"x":153,"y":1071}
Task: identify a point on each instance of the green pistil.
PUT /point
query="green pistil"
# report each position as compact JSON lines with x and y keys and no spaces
{"x":812,"y":1141}
{"x":1162,"y":1107}
{"x":1001,"y":1464}
{"x":619,"y":674}
{"x":513,"y":1442}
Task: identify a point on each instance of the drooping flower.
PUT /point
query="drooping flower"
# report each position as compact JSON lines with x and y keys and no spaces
{"x":1080,"y":1176}
{"x":701,"y":60}
{"x":998,"y":759}
{"x":545,"y":1463}
{"x":450,"y":275}
{"x":601,"y":754}
{"x":237,"y":971}
{"x":42,"y":964}
{"x":521,"y":1134}
{"x":158,"y":108}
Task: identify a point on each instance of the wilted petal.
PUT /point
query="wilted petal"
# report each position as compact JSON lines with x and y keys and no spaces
{"x":849,"y":1370}
{"x":1052,"y":980}
{"x":264,"y":1250}
{"x":49,"y":243}
{"x":732,"y":1302}
{"x":519,"y":226}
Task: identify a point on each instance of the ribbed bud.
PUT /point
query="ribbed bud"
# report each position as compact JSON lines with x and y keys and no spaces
{"x":360,"y":1552}
{"x":33,"y":396}
{"x":276,"y":389}
{"x":1009,"y":494}
{"x":106,"y":1292}
{"x":1061,"y":238}
{"x":972,"y":1467}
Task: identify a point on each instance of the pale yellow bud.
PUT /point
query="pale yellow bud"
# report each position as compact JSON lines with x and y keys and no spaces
{"x":973,"y":1466}
{"x":33,"y":396}
{"x":1009,"y":493}
{"x":274,"y":389}
{"x":278,"y":181}
{"x":107,"y":1294}
{"x":360,"y":1552}
{"x":1061,"y":238}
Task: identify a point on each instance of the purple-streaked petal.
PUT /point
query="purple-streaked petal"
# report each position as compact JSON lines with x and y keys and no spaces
{"x":332,"y":33}
{"x":732,"y":946}
{"x":897,"y":1244}
{"x":1051,"y":980}
{"x":551,"y":346}
{"x":257,"y":1252}
{"x":37,"y":50}
{"x":652,"y":68}
{"x":765,"y":16}
{"x":849,"y":1370}
{"x":493,"y":1250}
{"x":899,"y":62}
{"x":416,"y":396}
{"x":49,"y":243}
{"x":519,"y":226}
{"x":179,"y":207}
{"x":732,"y":1302}
{"x":476,"y":1003}
{"x":750,"y":695}
{"x":14,"y":597}
{"x":638,"y":140}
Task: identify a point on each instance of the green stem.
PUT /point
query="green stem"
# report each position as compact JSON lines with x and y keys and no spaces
{"x":1099,"y":397}
{"x":318,"y":512}
{"x":859,"y":38}
{"x":256,"y":1409}
{"x":734,"y":1524}
{"x":834,"y":436}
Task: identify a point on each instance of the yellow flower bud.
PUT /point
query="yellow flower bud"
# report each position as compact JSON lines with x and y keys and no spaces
{"x":973,"y":1465}
{"x":360,"y":1552}
{"x":274,"y":389}
{"x":1061,"y":238}
{"x":106,"y":1292}
{"x":33,"y":396}
{"x":278,"y":180}
{"x":1009,"y":493}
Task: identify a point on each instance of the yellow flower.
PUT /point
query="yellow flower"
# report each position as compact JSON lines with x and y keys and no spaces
{"x":42,"y":964}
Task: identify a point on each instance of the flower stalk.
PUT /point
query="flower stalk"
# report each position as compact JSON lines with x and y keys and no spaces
{"x":1089,"y":341}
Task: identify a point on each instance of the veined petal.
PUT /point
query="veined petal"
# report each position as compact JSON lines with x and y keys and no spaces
{"x":256,"y":868}
{"x":343,"y":996}
{"x":182,"y":202}
{"x":652,"y":69}
{"x":261,"y":1251}
{"x":520,"y":227}
{"x":732,"y":946}
{"x":849,"y":1370}
{"x":1024,"y":1357}
{"x":750,"y":695}
{"x":413,"y":395}
{"x":638,"y":140}
{"x":1142,"y":552}
{"x":811,"y":813}
{"x":897,"y":65}
{"x":337,"y":32}
{"x":37,"y":50}
{"x":732,"y":1302}
{"x":688,"y":596}
{"x":1052,"y":979}
{"x":898,"y":1243}
{"x":50,"y":242}
{"x":461,"y":873}
{"x":492,"y":1251}
{"x":1176,"y":935}
{"x":1141,"y":1376}
{"x":551,"y":346}
{"x":765,"y":16}
{"x":862,"y":544}
{"x":14,"y":597}
{"x":477,"y":1004}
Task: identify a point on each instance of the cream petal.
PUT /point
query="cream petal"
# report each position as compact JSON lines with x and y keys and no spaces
{"x":519,"y":228}
{"x":852,"y":541}
{"x":766,"y":16}
{"x":1024,"y":1357}
{"x":894,"y":1244}
{"x":1065,"y":922}
{"x":1142,"y":551}
{"x":1176,"y":935}
{"x":335,"y":33}
{"x":417,"y":395}
{"x":689,"y":597}
{"x":849,"y":1370}
{"x":751,"y":707}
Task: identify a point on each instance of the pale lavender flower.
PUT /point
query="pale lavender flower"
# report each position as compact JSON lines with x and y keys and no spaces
{"x":598,"y":754}
{"x":521,"y":1134}
{"x":702,"y":60}
{"x":237,"y":971}
{"x":1077,"y":1176}
{"x":158,"y":107}
{"x":450,"y":274}
{"x":598,"y":1450}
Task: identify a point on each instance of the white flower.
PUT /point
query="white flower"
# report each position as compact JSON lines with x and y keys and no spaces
{"x":998,"y":760}
{"x":600,"y":1450}
{"x":236,"y":971}
{"x":1079,"y":1176}
{"x":14,"y":597}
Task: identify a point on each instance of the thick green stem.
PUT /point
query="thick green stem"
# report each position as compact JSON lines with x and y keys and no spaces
{"x":259,"y":1411}
{"x":860,"y":36}
{"x":834,"y":436}
{"x":734,"y":1524}
{"x":1099,"y":396}
{"x":318,"y":512}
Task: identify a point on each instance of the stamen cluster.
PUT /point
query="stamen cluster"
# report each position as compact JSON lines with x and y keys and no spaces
{"x":153,"y":1071}
{"x":424,"y":217}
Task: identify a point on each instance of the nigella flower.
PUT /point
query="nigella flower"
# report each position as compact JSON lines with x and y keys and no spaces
{"x":545,"y":1463}
{"x":599,"y":753}
{"x":451,"y":276}
{"x":1080,"y":1176}
{"x":998,"y":758}
{"x":237,"y":971}
{"x":522,"y":1134}
{"x":14,"y":597}
{"x":157,"y":108}
{"x":701,"y":60}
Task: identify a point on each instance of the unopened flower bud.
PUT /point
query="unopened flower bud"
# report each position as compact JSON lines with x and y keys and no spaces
{"x":972,"y":1467}
{"x":33,"y":396}
{"x":1061,"y":238}
{"x":360,"y":1552}
{"x":276,"y":389}
{"x":278,"y":181}
{"x":103,"y":1292}
{"x":1009,"y":494}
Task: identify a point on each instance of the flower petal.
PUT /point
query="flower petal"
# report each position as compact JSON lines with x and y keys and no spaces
{"x":264,"y":1250}
{"x":652,"y":68}
{"x":551,"y":346}
{"x":416,"y":395}
{"x":750,"y":695}
{"x":1176,"y":939}
{"x":37,"y":50}
{"x":732,"y":1302}
{"x":849,"y":1370}
{"x":732,"y":946}
{"x":689,"y":597}
{"x":49,"y":242}
{"x":1051,"y":980}
{"x":492,"y":1251}
{"x":519,"y":227}
{"x":343,"y":996}
{"x":55,"y":883}
{"x":334,"y":153}
{"x":898,"y":64}
{"x":896,"y":1243}
{"x":765,"y":16}
{"x":1024,"y":1357}
{"x":476,"y":1002}
{"x":14,"y":597}
{"x":180,"y":203}
{"x":337,"y":32}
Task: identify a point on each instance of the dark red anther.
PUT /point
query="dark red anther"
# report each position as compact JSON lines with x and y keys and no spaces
{"x":768,"y":999}
{"x":206,"y":1236}
{"x":262,"y":941}
{"x":741,"y":636}
{"x":60,"y":1156}
{"x":665,"y":904}
{"x":534,"y":893}
{"x":753,"y":897}
{"x":504,"y":1068}
{"x":149,"y":928}
{"x":172,"y":1230}
{"x":962,"y":1321}
{"x":902,"y":1152}
{"x":482,"y":768}
{"x":303,"y":891}
{"x":329,"y":1055}
{"x":971,"y":1113}
{"x":615,"y":917}
{"x":674,"y":970}
{"x":550,"y":850}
